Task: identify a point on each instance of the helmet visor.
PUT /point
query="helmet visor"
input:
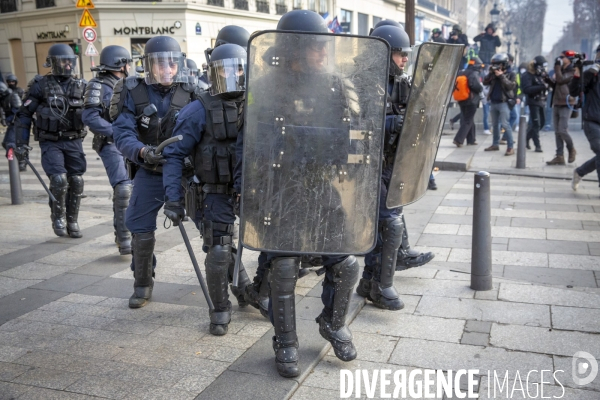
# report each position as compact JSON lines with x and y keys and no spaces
{"x":164,"y":68}
{"x":227,"y":75}
{"x":63,"y":65}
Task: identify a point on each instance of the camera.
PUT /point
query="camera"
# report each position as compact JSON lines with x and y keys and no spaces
{"x":453,"y":33}
{"x":495,"y":67}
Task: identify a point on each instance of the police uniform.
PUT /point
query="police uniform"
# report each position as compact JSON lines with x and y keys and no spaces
{"x":210,"y":127}
{"x":132,"y":131}
{"x":96,"y":116}
{"x":57,"y":102}
{"x":10,"y":104}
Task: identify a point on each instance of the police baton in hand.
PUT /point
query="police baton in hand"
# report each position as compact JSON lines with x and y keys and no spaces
{"x":167,"y":142}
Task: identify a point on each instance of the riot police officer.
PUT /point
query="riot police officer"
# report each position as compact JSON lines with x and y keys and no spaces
{"x":144,"y":112}
{"x":210,"y":126}
{"x":231,"y":34}
{"x":341,"y":272}
{"x":13,"y":84}
{"x":377,"y":283}
{"x":57,"y":101}
{"x":10,"y":102}
{"x":114,"y":65}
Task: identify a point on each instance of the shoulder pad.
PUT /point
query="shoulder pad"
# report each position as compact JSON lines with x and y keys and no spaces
{"x":197,"y":91}
{"x":15,"y":100}
{"x":37,"y":78}
{"x":118,"y":98}
{"x":131,"y":82}
{"x":94,"y":84}
{"x":93,"y":94}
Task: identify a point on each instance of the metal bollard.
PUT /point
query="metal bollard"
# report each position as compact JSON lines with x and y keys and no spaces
{"x":481,"y":251}
{"x":521,"y":149}
{"x":16,"y":192}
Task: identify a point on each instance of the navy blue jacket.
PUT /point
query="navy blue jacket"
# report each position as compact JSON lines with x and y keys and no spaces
{"x":191,"y":123}
{"x":125,"y":127}
{"x":93,"y":118}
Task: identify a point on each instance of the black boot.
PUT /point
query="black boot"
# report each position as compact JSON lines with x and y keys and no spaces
{"x":257,"y":294}
{"x":121,"y":195}
{"x":59,"y":188}
{"x":409,"y":258}
{"x":217,"y":263}
{"x":142,"y":250}
{"x":383,"y":294}
{"x":243,"y":281}
{"x":73,"y":202}
{"x":332,"y":321}
{"x":284,"y":274}
{"x":364,"y":288}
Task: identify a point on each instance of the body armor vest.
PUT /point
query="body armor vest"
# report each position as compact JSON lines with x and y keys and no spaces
{"x":59,"y":114}
{"x":153,"y":130}
{"x":95,"y":91}
{"x":214,"y":156}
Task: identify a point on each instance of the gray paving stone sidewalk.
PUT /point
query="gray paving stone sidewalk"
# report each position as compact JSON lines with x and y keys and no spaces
{"x":66,"y":331}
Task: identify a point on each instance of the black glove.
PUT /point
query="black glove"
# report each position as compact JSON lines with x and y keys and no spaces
{"x":174,"y":211}
{"x":398,"y":122}
{"x":150,"y":157}
{"x":22,"y":152}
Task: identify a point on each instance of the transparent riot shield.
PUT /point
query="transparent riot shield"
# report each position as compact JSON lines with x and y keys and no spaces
{"x":432,"y":84}
{"x":313,"y":137}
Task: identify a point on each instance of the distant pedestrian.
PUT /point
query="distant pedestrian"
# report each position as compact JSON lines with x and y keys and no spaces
{"x":488,"y":41}
{"x":562,"y":105}
{"x":436,"y":36}
{"x":590,"y":116}
{"x":468,"y":106}
{"x":535,"y":89}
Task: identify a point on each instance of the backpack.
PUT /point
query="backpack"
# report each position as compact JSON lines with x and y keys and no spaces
{"x":461,"y":88}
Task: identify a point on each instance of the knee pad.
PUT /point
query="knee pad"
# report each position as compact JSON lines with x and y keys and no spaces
{"x":391,"y":231}
{"x":122,"y":194}
{"x":218,"y":259}
{"x":345,"y":273}
{"x":58,"y":181}
{"x":284,"y":274}
{"x":76,"y":184}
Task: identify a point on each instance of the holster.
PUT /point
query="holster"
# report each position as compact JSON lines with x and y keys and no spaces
{"x":193,"y":201}
{"x":132,"y":168}
{"x":99,"y":142}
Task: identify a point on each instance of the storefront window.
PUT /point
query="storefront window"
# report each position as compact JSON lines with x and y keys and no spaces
{"x":346,"y":21}
{"x":44,"y":3}
{"x":363,"y":24}
{"x":8,"y":6}
{"x":280,"y":7}
{"x":137,"y":51}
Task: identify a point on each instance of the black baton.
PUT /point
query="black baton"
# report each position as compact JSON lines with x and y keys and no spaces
{"x":40,"y":178}
{"x":167,"y":142}
{"x":211,"y":307}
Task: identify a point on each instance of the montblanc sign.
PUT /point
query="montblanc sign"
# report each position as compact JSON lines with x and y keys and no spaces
{"x":52,"y":35}
{"x":147,"y":30}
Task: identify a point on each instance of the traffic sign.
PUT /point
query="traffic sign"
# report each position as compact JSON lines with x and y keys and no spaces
{"x":85,"y":4}
{"x":91,"y":51}
{"x":87,"y":20}
{"x":89,"y":34}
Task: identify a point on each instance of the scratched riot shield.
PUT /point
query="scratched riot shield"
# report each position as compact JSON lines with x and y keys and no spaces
{"x":313,"y":137}
{"x":432,"y":84}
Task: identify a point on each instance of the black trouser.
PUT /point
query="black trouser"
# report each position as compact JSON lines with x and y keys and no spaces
{"x":467,"y":123}
{"x":537,"y":119}
{"x":592,"y":132}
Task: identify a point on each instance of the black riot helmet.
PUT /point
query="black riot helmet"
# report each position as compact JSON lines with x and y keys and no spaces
{"x":456,"y":29}
{"x":385,"y":22}
{"x":303,"y":21}
{"x":12,"y":81}
{"x":227,"y":71}
{"x":233,"y":34}
{"x":61,"y":60}
{"x":500,"y":60}
{"x":399,"y":42}
{"x":191,"y":67}
{"x":114,"y":58}
{"x":163,"y":61}
{"x":436,"y":31}
{"x":4,"y":90}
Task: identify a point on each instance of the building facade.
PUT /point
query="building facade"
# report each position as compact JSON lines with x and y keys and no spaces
{"x":29,"y":27}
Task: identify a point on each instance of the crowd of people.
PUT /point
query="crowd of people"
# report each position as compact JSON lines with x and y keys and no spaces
{"x":551,"y":96}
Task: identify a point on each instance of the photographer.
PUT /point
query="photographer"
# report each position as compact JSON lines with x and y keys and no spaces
{"x":535,"y":87}
{"x":488,"y":41}
{"x":502,"y":98}
{"x":562,"y":105}
{"x":590,"y":86}
{"x":457,"y":37}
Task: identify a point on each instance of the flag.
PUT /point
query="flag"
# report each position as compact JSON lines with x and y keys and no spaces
{"x":327,"y":18}
{"x":334,"y":26}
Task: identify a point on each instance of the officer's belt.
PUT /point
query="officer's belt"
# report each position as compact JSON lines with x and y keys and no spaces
{"x":55,"y":137}
{"x":215,"y":188}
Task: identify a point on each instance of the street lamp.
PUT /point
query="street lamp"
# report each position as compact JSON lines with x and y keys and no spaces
{"x":508,"y":35}
{"x":495,"y":13}
{"x":516,"y":51}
